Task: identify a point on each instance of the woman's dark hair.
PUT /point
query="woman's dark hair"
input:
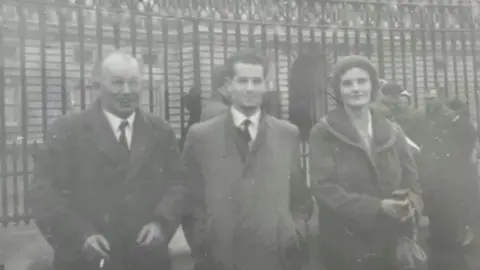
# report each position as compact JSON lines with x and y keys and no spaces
{"x":246,"y":56}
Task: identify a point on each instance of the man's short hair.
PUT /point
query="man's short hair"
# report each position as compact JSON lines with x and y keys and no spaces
{"x":125,"y":56}
{"x":247,"y":57}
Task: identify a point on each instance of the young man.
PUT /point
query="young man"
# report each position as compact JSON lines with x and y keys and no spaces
{"x":107,"y":187}
{"x":249,"y":186}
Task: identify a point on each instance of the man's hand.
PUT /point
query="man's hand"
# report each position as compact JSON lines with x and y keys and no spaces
{"x":466,"y":236}
{"x":96,"y":247}
{"x":150,"y":234}
{"x":396,"y":209}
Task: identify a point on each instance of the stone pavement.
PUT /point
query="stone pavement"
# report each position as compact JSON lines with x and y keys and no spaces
{"x":23,"y":248}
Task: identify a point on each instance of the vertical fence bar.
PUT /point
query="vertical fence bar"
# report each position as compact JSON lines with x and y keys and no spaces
{"x":238,"y":19}
{"x":24,"y":98}
{"x":116,"y":28}
{"x":63,"y":59}
{"x":3,"y":132}
{"x":263,"y":34}
{"x":454,"y":43}
{"x":346,"y":39}
{"x":99,"y":36}
{"x":276,"y":47}
{"x":391,"y":37}
{"x":212,"y":42}
{"x":444,"y":45}
{"x":433,"y":46}
{"x":424,"y":51}
{"x":225,"y":39}
{"x":180,"y":40}
{"x":473,"y":43}
{"x":403,"y":48}
{"x":326,"y":49}
{"x":464,"y":66}
{"x":335,"y":45}
{"x":197,"y":79}
{"x":81,"y":46}
{"x":15,"y":179}
{"x":166,"y":52}
{"x":413,"y":48}
{"x":150,"y":64}
{"x":289,"y":50}
{"x":43,"y":67}
{"x":251,"y":36}
{"x":368,"y":34}
{"x":357,"y":41}
{"x":380,"y":47}
{"x":133,"y":31}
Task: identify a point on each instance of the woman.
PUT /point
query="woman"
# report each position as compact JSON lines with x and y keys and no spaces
{"x":363,"y":176}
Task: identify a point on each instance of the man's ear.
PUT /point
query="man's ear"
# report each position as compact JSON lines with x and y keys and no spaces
{"x":227,"y":83}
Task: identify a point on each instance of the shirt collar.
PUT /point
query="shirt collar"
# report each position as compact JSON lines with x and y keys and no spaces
{"x":239,"y":117}
{"x":115,"y":121}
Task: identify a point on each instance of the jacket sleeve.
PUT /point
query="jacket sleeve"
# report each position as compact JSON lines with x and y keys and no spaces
{"x":49,"y":195}
{"x":173,"y":205}
{"x":194,"y":222}
{"x":410,"y":178}
{"x":362,"y":209}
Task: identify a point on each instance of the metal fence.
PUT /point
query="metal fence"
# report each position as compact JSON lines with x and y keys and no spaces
{"x":49,"y":49}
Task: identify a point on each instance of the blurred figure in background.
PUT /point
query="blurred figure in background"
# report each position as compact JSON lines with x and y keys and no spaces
{"x":449,"y":177}
{"x":395,"y":104}
{"x":219,"y":100}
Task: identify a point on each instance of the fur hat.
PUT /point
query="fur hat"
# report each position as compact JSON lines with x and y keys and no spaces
{"x":349,"y":62}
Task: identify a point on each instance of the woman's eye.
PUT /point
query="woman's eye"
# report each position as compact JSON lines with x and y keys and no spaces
{"x":346,"y":83}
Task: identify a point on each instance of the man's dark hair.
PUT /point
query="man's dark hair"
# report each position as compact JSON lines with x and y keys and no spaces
{"x":245,"y":56}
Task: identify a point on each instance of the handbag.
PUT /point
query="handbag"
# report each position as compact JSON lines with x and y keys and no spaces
{"x":409,"y":254}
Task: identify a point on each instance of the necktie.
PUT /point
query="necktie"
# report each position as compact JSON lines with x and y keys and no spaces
{"x":245,"y":138}
{"x":245,"y":132}
{"x":122,"y":140}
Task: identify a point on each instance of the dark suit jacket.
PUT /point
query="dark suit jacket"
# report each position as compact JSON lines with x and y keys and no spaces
{"x":244,"y":212}
{"x":81,"y":187}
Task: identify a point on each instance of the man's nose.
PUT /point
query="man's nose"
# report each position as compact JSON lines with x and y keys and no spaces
{"x":250,"y":86}
{"x":126,"y":89}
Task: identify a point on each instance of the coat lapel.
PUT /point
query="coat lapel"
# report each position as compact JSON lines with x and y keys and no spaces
{"x":231,"y":137}
{"x":340,"y":125}
{"x":143,"y":143}
{"x":103,"y":136}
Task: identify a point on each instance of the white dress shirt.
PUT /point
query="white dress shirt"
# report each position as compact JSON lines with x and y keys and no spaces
{"x":115,"y":122}
{"x":239,"y":118}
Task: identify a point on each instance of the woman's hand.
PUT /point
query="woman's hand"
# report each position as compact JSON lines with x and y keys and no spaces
{"x":397,"y":209}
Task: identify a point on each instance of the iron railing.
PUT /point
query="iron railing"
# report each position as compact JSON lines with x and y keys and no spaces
{"x":49,"y":49}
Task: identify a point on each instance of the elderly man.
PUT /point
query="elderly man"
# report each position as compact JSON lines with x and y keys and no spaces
{"x":245,"y":164}
{"x":107,"y":187}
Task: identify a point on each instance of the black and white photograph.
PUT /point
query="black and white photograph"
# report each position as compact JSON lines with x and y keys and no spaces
{"x":239,"y":135}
